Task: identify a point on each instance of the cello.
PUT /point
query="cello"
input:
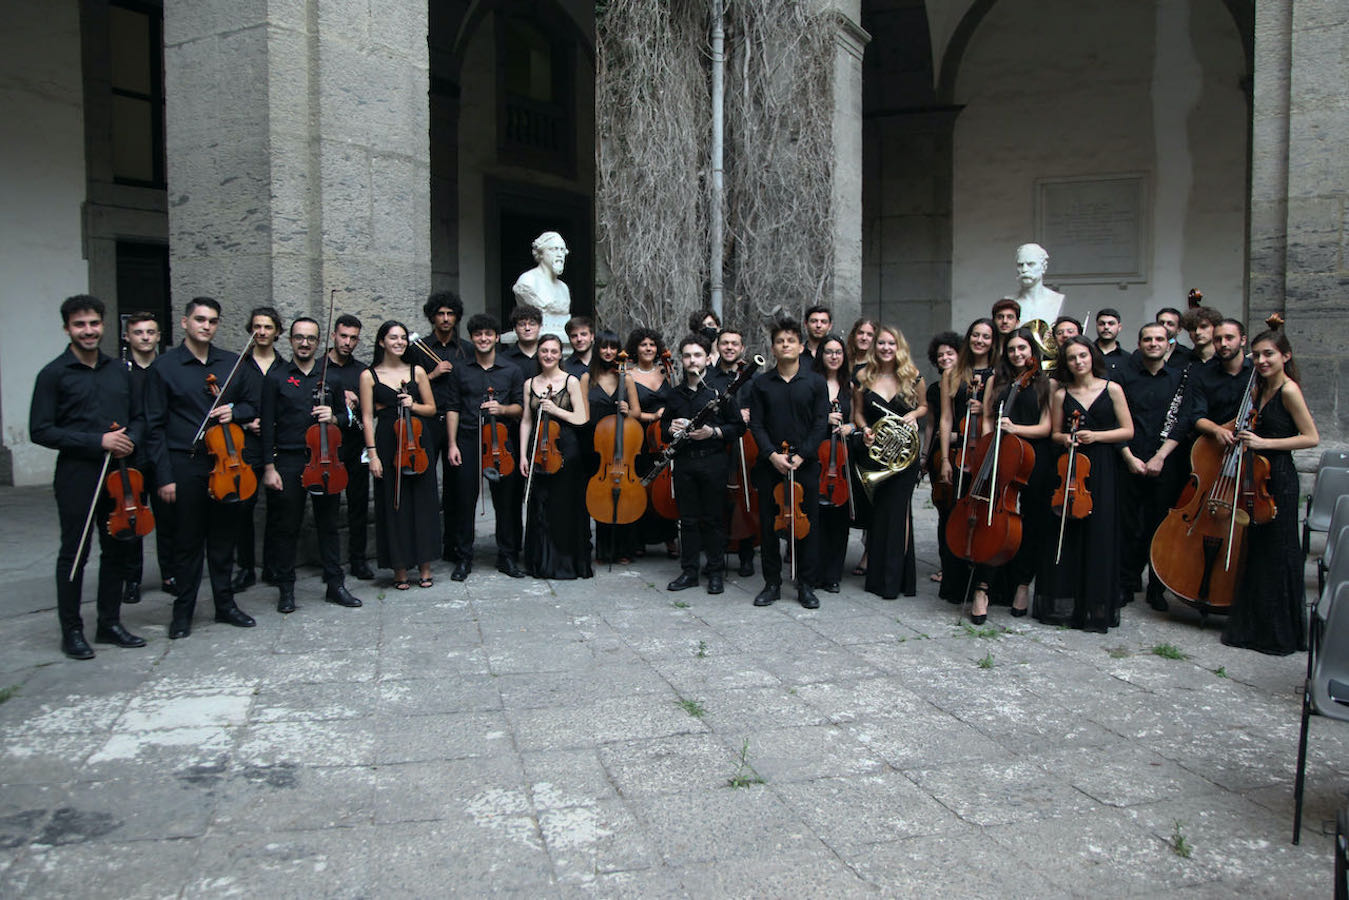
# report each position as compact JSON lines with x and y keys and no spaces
{"x":1071,"y":499}
{"x":614,"y":495}
{"x":744,"y":498}
{"x":1198,"y":552}
{"x":984,"y":526}
{"x":324,"y":471}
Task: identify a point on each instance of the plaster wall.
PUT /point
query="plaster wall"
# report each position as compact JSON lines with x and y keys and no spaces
{"x":41,"y":256}
{"x":1065,"y":88}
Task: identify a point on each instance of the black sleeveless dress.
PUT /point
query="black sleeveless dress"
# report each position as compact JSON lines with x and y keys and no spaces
{"x":557,"y":533}
{"x":1085,"y":583}
{"x":890,"y":555}
{"x":410,"y":535}
{"x":1269,"y":615}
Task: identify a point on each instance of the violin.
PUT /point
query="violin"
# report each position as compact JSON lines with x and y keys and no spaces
{"x":1071,"y":499}
{"x":410,"y":457}
{"x":833,"y":455}
{"x":614,"y":495}
{"x":130,"y":516}
{"x":324,"y":472}
{"x":744,"y":498}
{"x":497,"y":461}
{"x":231,"y":480}
{"x":967,"y":429}
{"x":791,"y":518}
{"x":547,"y":458}
{"x":984,"y":526}
{"x":655,"y":437}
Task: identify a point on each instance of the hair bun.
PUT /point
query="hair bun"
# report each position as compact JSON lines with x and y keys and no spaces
{"x":1274,"y":322}
{"x":1195,"y":298}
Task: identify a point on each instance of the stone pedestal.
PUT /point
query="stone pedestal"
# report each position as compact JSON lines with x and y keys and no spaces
{"x":299,"y":156}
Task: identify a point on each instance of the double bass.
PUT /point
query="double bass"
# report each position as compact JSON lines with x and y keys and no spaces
{"x":985,"y":526}
{"x":614,"y":495}
{"x":1198,"y":552}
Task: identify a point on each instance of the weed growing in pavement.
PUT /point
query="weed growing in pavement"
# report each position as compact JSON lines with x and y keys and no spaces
{"x":6,"y":693}
{"x":987,"y":661}
{"x":988,"y":631}
{"x":744,"y":773}
{"x":1180,"y":844}
{"x":702,"y":650}
{"x":1221,"y":671}
{"x":680,"y":604}
{"x":693,"y":708}
{"x":1168,"y":651}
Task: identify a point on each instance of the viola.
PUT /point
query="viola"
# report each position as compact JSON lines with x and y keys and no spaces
{"x":967,"y":430}
{"x":497,"y":461}
{"x":1198,"y":552}
{"x":130,"y":516}
{"x":833,"y":454}
{"x":324,"y":472}
{"x":614,"y":495}
{"x":791,"y":518}
{"x":1071,"y":499}
{"x":231,"y":480}
{"x":744,"y":498}
{"x":984,"y":526}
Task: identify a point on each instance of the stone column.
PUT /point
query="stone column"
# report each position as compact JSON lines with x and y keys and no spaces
{"x":850,"y":39}
{"x":298,"y":156}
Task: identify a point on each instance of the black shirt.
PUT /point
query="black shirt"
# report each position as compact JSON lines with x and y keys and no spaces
{"x":1149,"y":397}
{"x":795,"y":411}
{"x":176,"y":401}
{"x":457,"y":351}
{"x":471,"y":383}
{"x":74,"y":405}
{"x":512,"y":354}
{"x":287,"y":406}
{"x":685,"y":403}
{"x":1114,"y":360}
{"x":343,"y":378}
{"x":251,"y":377}
{"x":576,"y":366}
{"x":1217,"y":395}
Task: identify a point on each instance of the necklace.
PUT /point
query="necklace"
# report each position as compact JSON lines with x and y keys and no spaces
{"x":646,"y":371}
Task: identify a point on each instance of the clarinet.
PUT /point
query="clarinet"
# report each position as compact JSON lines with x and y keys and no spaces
{"x":1173,"y":411}
{"x":745,"y":371}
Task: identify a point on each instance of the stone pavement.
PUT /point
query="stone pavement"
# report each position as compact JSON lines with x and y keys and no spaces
{"x":586,"y":738}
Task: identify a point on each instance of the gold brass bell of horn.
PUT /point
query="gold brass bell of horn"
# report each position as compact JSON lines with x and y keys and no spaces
{"x":1043,"y":333}
{"x":894,"y":449}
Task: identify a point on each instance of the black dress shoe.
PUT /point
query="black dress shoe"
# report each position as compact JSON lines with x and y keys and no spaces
{"x":117,"y":634}
{"x":508,"y":566}
{"x":769,"y":595}
{"x":685,"y":581}
{"x":243,"y":580}
{"x":832,"y":587}
{"x":461,"y":570}
{"x":746,"y":567}
{"x":714,"y":585}
{"x":362,"y":571}
{"x":75,"y":646}
{"x":233,"y":615}
{"x":338,"y":593}
{"x":285,"y":601}
{"x":806,"y":597}
{"x":179,"y":628}
{"x":449,"y":555}
{"x":170,"y":586}
{"x":131,"y":592}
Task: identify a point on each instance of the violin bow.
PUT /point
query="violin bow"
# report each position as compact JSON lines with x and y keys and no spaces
{"x":215,"y":402}
{"x":1068,"y":483}
{"x":89,"y":519}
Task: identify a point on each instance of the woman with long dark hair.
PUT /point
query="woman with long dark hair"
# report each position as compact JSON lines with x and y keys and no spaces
{"x":646,"y":350}
{"x":831,"y":361}
{"x":599,"y":387}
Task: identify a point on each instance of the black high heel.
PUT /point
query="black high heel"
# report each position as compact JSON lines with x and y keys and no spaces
{"x":982,"y":617}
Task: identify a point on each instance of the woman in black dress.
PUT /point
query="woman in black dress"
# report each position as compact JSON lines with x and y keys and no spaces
{"x":962,"y":393}
{"x":890,"y":386}
{"x":1268,"y":614}
{"x":1027,"y":417}
{"x":646,"y":350}
{"x":1086,"y":579}
{"x":831,"y":361}
{"x":942,"y":352}
{"x":600,"y":388}
{"x":557,"y":536}
{"x":409,"y":534}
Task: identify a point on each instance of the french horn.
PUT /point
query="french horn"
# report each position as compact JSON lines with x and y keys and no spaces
{"x":1043,"y":333}
{"x":894,"y":449}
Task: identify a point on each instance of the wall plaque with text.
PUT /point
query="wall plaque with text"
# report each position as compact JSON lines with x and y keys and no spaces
{"x":1095,"y":228}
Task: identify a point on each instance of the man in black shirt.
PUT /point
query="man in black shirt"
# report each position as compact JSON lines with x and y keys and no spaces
{"x":177,"y":401}
{"x":819,"y":322}
{"x":730,"y":348}
{"x":788,"y":404}
{"x":526,"y":321}
{"x":264,"y":325}
{"x":1177,"y":354}
{"x":344,"y":376}
{"x":1222,"y":383}
{"x":443,"y":310}
{"x":142,"y":343}
{"x":469,"y":407}
{"x":77,"y":399}
{"x":581,"y":336}
{"x":700,"y":468}
{"x":1156,"y":470}
{"x":1108,"y":324}
{"x":291,"y":402}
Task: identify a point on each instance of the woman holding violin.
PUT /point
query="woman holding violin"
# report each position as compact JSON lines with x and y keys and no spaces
{"x":1027,"y":417}
{"x":962,"y":392}
{"x":890,"y":387}
{"x":1091,"y":417}
{"x":651,"y":372}
{"x":407,"y":514}
{"x":836,"y":485}
{"x":607,"y":394}
{"x":557,"y":539}
{"x":1268,"y":614}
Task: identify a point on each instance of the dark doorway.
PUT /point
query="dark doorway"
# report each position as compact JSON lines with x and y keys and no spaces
{"x":143,"y":285}
{"x":516,"y":215}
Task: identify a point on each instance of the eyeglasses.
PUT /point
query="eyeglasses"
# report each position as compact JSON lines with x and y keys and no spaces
{"x":304,"y":339}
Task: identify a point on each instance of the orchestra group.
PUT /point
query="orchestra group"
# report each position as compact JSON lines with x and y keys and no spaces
{"x":1057,"y":461}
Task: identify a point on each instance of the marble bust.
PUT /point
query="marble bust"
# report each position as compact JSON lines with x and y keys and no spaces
{"x":542,"y":285}
{"x":1037,"y":301}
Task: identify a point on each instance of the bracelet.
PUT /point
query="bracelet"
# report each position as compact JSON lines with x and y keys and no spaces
{"x":371,"y":447}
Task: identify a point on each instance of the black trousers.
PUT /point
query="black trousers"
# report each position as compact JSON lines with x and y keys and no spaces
{"x":358,"y":498}
{"x":700,"y":489}
{"x":283,"y":530}
{"x":246,"y":539}
{"x":76,"y":481}
{"x":835,"y":528}
{"x":807,"y":555}
{"x":165,"y":529}
{"x":205,"y":529}
{"x":507,"y":497}
{"x":440,"y":449}
{"x":1145,"y":502}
